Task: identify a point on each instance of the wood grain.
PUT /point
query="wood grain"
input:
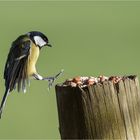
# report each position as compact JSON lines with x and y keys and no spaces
{"x":101,"y":111}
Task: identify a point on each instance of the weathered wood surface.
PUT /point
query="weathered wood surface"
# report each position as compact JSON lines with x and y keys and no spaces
{"x":102,"y":111}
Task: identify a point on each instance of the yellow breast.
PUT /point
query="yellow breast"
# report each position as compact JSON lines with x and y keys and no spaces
{"x":33,"y":57}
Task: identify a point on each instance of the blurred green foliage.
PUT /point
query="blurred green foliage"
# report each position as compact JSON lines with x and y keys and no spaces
{"x":88,"y":38}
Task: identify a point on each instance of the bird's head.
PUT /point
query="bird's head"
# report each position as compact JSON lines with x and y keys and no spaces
{"x":39,"y":39}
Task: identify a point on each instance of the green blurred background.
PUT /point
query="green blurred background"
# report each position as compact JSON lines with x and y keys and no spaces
{"x":89,"y":38}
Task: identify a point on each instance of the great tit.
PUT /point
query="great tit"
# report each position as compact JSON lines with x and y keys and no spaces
{"x":21,"y":63}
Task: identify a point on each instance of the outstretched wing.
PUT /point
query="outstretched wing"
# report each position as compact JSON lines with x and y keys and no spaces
{"x":16,"y":64}
{"x":16,"y":67}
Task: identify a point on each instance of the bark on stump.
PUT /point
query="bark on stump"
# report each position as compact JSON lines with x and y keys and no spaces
{"x":101,"y":111}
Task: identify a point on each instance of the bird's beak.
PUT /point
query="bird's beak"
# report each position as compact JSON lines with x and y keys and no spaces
{"x":49,"y":45}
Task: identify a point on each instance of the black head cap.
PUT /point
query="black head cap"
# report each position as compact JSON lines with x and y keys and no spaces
{"x":39,"y":38}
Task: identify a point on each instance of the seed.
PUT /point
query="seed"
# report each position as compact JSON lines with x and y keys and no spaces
{"x":91,"y":81}
{"x":76,"y":79}
{"x":73,"y":84}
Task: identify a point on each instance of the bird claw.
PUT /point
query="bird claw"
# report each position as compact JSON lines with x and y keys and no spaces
{"x":50,"y":82}
{"x":52,"y":79}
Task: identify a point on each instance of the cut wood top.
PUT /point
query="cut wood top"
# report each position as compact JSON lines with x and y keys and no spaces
{"x":84,"y":81}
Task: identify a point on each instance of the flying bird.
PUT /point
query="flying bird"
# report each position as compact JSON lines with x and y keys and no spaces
{"x":21,"y":63}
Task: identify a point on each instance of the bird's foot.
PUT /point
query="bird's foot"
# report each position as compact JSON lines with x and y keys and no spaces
{"x":52,"y":79}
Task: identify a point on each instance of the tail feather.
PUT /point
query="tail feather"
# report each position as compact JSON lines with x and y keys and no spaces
{"x":4,"y":101}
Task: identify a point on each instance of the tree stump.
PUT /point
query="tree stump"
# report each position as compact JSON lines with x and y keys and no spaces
{"x":105,"y":110}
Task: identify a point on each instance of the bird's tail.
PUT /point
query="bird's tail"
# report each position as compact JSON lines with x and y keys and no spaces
{"x":4,"y":100}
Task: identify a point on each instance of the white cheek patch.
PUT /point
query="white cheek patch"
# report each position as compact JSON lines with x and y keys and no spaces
{"x":39,"y":41}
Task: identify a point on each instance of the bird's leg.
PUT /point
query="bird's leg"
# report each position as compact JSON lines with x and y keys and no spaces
{"x":49,"y":79}
{"x":37,"y":76}
{"x":52,"y":79}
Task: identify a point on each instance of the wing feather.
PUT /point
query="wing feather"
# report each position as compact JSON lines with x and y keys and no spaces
{"x":15,"y":72}
{"x":16,"y":65}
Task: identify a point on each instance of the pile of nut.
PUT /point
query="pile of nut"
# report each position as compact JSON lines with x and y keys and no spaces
{"x":85,"y":81}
